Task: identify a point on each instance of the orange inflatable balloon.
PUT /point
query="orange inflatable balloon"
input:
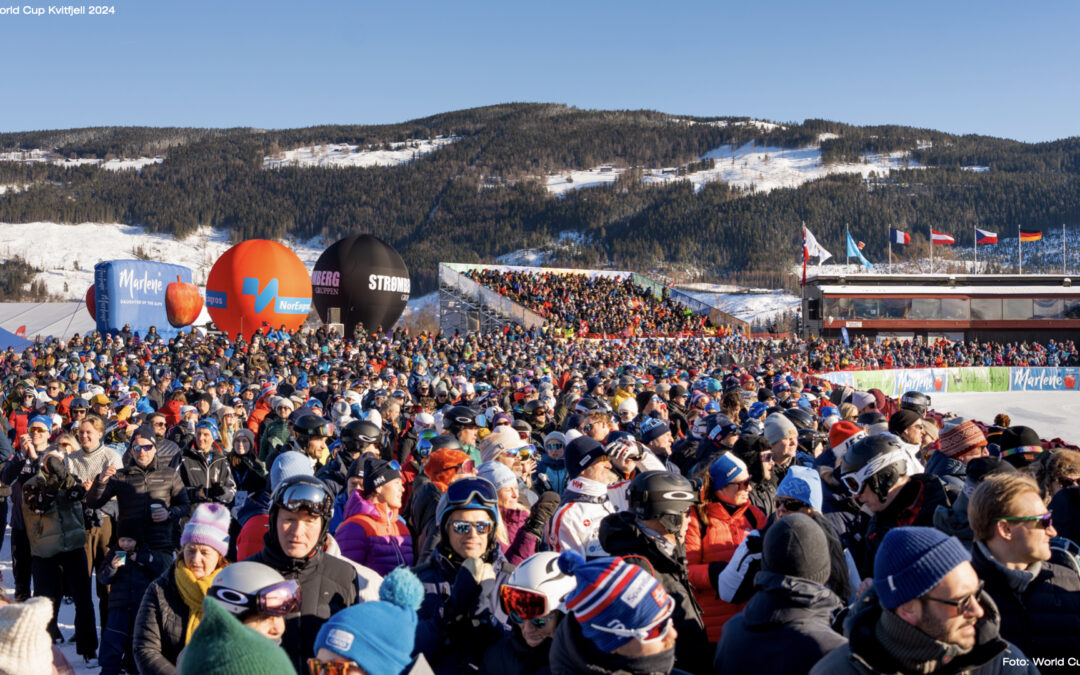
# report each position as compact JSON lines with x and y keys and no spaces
{"x":258,"y":284}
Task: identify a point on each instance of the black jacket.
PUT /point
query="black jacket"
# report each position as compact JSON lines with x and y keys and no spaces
{"x":789,"y":611}
{"x":457,"y":622}
{"x":621,"y":535}
{"x":335,"y":473}
{"x":512,"y":655}
{"x":128,"y":583}
{"x":422,"y":508}
{"x":1040,"y":614}
{"x":160,"y":626}
{"x":573,"y":654}
{"x":135,"y":489}
{"x":207,"y":478}
{"x":327,"y":586}
{"x":914,"y":505}
{"x":876,"y":637}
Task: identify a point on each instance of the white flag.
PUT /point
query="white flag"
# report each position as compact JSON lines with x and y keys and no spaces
{"x":812,"y":249}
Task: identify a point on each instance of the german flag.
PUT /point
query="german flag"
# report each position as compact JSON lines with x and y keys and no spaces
{"x":1030,"y":235}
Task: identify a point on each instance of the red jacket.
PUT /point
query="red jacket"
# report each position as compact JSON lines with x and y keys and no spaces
{"x":723,"y":534}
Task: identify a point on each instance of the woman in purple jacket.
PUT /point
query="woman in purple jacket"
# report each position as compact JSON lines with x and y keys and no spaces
{"x":373,"y":534}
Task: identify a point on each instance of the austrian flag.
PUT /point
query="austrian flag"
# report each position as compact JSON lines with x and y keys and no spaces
{"x":940,"y":238}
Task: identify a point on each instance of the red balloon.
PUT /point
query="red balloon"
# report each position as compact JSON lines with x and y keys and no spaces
{"x":182,"y":303}
{"x":91,"y":306}
{"x":258,"y":284}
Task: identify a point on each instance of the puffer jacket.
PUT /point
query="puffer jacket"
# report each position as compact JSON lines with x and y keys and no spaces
{"x":878,"y":642}
{"x":209,"y":473}
{"x":457,"y":619}
{"x":374,"y":536}
{"x":160,"y":626}
{"x":422,"y":508}
{"x":135,"y":489}
{"x":335,"y":473}
{"x":621,"y":534}
{"x":555,"y":470}
{"x":950,"y":470}
{"x":52,"y":511}
{"x":128,"y":583}
{"x":327,"y":586}
{"x":16,"y":472}
{"x":786,"y":611}
{"x":1040,"y":607}
{"x":712,"y":541}
{"x":953,"y":520}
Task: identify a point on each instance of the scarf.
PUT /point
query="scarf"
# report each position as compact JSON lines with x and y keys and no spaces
{"x":192,"y":592}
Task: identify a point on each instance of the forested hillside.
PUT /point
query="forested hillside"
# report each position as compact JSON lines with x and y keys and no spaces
{"x":483,"y":194}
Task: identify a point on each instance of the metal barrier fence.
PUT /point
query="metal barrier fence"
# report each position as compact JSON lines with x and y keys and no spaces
{"x":463,"y":285}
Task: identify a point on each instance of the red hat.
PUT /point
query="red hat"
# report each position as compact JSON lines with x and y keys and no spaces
{"x":843,"y":435}
{"x":961,"y":438}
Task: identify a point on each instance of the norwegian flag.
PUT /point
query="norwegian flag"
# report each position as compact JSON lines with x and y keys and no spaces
{"x":941,"y":238}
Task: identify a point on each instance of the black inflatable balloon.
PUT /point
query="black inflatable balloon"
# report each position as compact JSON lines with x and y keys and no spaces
{"x":365,"y":279}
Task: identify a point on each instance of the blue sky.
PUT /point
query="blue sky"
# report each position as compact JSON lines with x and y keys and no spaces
{"x":994,"y":68}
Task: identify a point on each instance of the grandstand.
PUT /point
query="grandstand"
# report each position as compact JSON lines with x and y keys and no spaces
{"x":492,"y":297}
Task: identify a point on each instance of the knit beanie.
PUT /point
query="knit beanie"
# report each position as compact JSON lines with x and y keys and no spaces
{"x":796,"y":546}
{"x":778,"y":427}
{"x":288,"y":464}
{"x":43,"y":420}
{"x":580,"y":453}
{"x":725,"y":469}
{"x":653,"y":428}
{"x":502,"y":439}
{"x":961,"y":438}
{"x":209,"y":423}
{"x":861,"y":399}
{"x":378,"y":472}
{"x":802,"y":483}
{"x":1019,"y":445}
{"x":378,"y":636}
{"x":912,"y":560}
{"x":902,"y":419}
{"x":209,"y":525}
{"x":221,"y":645}
{"x":25,"y":645}
{"x":842,"y":436}
{"x":757,"y":409}
{"x":498,"y":473}
{"x":614,"y":601}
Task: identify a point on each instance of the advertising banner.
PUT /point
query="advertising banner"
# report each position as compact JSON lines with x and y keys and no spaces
{"x":959,"y":380}
{"x":132,"y":293}
{"x":1044,"y":379}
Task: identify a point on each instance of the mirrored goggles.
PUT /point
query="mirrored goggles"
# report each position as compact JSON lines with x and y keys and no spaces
{"x":522,"y":603}
{"x":280,"y":599}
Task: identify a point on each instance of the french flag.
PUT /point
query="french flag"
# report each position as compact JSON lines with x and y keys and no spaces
{"x":898,"y":237}
{"x":941,"y":238}
{"x":984,"y":237}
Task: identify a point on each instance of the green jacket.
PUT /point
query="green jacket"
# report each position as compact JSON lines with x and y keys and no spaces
{"x":53,"y":514}
{"x":275,"y":435}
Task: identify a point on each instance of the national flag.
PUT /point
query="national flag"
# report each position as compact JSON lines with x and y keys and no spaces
{"x":853,"y":250}
{"x":898,"y":237}
{"x":941,"y":238}
{"x":1030,"y":235}
{"x":811,"y":249}
{"x":984,"y":237}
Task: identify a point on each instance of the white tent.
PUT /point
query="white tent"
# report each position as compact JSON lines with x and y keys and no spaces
{"x":56,"y":319}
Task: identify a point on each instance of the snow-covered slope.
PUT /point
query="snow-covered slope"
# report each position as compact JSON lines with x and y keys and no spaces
{"x":42,"y":156}
{"x":754,"y":305}
{"x":749,"y":166}
{"x":342,"y":154}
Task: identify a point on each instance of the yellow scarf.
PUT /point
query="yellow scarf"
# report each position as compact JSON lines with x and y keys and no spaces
{"x":192,"y":591}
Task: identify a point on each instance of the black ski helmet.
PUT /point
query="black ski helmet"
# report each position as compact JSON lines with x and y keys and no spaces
{"x":303,"y":494}
{"x":459,"y":417}
{"x":862,"y":453}
{"x":916,"y":401}
{"x":663,"y":496}
{"x":800,"y":418}
{"x":358,"y":434}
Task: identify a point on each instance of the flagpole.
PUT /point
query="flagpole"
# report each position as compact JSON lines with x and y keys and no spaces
{"x":1063,"y":248}
{"x":976,"y":270}
{"x":847,"y":254}
{"x":931,"y":250}
{"x":1020,"y":249}
{"x":890,"y":248}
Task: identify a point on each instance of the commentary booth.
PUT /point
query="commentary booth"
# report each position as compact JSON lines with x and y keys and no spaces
{"x":1007,"y":307}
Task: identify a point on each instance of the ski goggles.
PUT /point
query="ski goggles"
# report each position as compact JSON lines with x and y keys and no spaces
{"x":317,"y":667}
{"x":305,"y":497}
{"x":280,"y":599}
{"x":856,"y":480}
{"x":522,"y":604}
{"x":526,"y":451}
{"x":473,"y":491}
{"x":423,"y":442}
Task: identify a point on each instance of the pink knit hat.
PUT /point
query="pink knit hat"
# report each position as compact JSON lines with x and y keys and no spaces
{"x":209,"y":525}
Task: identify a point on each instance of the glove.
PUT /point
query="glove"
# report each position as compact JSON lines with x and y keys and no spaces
{"x":480,"y":570}
{"x":541,"y":513}
{"x":623,"y":449}
{"x":217,"y":490}
{"x":465,"y":591}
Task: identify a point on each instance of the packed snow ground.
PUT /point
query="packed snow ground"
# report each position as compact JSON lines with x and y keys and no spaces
{"x":1051,"y":414}
{"x":749,"y":167}
{"x":68,"y":253}
{"x":754,"y":305}
{"x":344,"y":155}
{"x":43,"y":156}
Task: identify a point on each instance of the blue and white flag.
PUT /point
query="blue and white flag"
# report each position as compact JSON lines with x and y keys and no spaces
{"x":853,"y":251}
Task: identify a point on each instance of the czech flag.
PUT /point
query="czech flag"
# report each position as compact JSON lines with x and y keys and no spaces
{"x":898,"y":237}
{"x":941,"y":238}
{"x":1030,"y":235}
{"x":984,"y":237}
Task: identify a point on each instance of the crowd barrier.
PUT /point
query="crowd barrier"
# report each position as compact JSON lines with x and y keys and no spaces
{"x":960,"y":380}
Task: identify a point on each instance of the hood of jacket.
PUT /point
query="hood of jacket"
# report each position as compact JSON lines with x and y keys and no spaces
{"x":357,"y":505}
{"x":941,"y":464}
{"x":782,"y":599}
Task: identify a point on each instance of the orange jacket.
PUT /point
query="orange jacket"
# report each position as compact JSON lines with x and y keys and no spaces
{"x":723,"y":534}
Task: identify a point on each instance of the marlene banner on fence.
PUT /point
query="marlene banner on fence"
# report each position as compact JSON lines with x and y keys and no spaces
{"x":959,"y":380}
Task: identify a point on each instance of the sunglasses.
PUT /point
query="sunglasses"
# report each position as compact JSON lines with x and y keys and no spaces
{"x":317,"y":667}
{"x":554,"y":446}
{"x":1068,"y":482}
{"x":1041,"y":522}
{"x":140,"y":447}
{"x":468,"y":466}
{"x":463,"y":527}
{"x":659,"y":632}
{"x":964,"y":605}
{"x":766,"y":456}
{"x":741,"y":485}
{"x":539,"y":622}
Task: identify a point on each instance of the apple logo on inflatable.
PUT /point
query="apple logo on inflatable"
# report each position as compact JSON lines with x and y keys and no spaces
{"x":90,"y":303}
{"x":182,"y":303}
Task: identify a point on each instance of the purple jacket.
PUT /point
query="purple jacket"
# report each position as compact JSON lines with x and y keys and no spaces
{"x":374,"y":536}
{"x":522,"y":544}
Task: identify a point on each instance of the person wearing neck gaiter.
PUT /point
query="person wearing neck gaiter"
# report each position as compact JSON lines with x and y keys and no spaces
{"x":926,"y":612}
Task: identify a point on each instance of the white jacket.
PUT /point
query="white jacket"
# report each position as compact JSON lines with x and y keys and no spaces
{"x":575,"y":526}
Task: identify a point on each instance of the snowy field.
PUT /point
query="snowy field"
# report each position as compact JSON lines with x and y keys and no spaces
{"x":344,"y":155}
{"x":1050,"y":414}
{"x":749,"y":167}
{"x":46,"y":156}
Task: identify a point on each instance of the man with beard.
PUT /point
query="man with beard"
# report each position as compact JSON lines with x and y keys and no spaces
{"x":926,"y":612}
